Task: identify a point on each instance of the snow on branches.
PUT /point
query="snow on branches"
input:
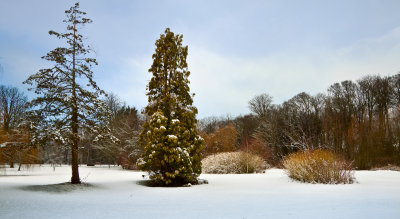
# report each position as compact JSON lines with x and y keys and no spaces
{"x":171,"y":143}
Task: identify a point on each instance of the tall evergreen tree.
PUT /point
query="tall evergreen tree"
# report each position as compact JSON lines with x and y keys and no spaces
{"x":169,"y":137}
{"x":67,"y":106}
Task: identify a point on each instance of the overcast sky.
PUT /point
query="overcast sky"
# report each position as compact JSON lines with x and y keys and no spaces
{"x":237,"y":49}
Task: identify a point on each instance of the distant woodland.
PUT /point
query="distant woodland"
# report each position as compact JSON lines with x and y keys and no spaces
{"x":359,"y":120}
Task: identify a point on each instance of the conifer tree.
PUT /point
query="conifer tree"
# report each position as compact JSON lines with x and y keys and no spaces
{"x":169,"y":137}
{"x":69,"y":107}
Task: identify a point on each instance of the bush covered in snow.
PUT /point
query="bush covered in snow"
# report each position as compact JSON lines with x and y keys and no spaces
{"x":318,"y":166}
{"x":233,"y":162}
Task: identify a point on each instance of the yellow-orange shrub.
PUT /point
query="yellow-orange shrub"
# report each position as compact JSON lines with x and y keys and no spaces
{"x":318,"y":166}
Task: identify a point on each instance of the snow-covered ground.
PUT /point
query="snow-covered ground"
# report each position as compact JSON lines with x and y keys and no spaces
{"x":116,"y":193}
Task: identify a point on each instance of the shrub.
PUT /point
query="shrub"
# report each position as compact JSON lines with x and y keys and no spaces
{"x":127,"y":162}
{"x":318,"y":166}
{"x":223,"y":139}
{"x":233,"y":162}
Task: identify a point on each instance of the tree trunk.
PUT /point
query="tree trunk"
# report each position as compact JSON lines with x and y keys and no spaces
{"x":88,"y":160}
{"x":74,"y":146}
{"x":74,"y":120}
{"x":6,"y":122}
{"x":6,"y":126}
{"x":75,"y":173}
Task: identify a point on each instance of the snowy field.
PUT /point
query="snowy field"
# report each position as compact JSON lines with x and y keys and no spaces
{"x":116,"y":193}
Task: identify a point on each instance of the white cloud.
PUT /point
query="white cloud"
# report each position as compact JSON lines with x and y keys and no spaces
{"x":128,"y":80}
{"x":234,"y":54}
{"x":224,"y":84}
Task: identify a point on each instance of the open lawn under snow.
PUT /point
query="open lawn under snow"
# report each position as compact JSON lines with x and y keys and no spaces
{"x":116,"y":193}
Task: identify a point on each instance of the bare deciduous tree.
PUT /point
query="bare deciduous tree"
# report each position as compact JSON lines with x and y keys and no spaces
{"x":12,"y":106}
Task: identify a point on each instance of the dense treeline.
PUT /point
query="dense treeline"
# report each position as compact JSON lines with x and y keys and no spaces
{"x":124,"y":123}
{"x":24,"y":138}
{"x":360,"y":120}
{"x":14,"y":133}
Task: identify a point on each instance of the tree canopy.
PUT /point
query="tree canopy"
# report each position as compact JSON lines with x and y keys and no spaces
{"x":169,"y":137}
{"x":67,"y":96}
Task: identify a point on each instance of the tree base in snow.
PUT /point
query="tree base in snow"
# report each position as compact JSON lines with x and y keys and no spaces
{"x":58,"y":188}
{"x":152,"y":183}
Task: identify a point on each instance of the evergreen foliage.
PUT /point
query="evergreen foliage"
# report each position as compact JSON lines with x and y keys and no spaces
{"x":169,"y":137}
{"x":69,"y":108}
